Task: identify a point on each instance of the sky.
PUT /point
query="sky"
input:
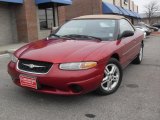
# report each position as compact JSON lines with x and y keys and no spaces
{"x":141,"y":4}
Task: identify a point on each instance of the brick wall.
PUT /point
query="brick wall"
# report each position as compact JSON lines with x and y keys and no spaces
{"x":135,"y":8}
{"x":83,"y":7}
{"x":126,"y":6}
{"x":61,"y":15}
{"x":130,"y":5}
{"x":118,"y":2}
{"x":87,"y":7}
{"x":26,"y":18}
{"x":109,"y":1}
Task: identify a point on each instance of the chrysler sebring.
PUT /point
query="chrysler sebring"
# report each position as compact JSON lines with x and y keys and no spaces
{"x":86,"y":54}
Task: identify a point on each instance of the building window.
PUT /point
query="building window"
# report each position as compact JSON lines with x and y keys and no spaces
{"x":48,"y":17}
{"x":126,"y":2}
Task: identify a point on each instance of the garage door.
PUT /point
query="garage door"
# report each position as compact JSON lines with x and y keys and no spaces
{"x":8,"y":32}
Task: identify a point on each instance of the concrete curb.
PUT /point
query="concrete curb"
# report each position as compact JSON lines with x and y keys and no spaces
{"x":7,"y":51}
{"x":11,"y":48}
{"x":3,"y":52}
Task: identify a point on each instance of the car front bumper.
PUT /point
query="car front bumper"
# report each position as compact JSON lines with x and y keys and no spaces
{"x":62,"y":82}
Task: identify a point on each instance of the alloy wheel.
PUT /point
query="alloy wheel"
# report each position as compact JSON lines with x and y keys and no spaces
{"x":141,"y":54}
{"x":111,"y":77}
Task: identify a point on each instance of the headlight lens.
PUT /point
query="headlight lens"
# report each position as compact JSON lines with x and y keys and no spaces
{"x":78,"y":65}
{"x":14,"y":58}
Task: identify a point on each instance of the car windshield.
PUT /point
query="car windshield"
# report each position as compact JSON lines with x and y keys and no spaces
{"x":88,"y":28}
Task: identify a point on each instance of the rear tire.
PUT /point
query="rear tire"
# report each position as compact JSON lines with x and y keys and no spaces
{"x":139,"y":57}
{"x":112,"y":78}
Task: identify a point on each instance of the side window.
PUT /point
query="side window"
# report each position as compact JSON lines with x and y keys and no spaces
{"x":125,"y":25}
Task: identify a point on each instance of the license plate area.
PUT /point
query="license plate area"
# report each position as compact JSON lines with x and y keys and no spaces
{"x":28,"y":81}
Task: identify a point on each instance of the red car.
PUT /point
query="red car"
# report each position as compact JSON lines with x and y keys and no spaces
{"x":86,"y":54}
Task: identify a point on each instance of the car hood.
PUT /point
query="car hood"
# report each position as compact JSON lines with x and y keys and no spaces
{"x":60,"y":51}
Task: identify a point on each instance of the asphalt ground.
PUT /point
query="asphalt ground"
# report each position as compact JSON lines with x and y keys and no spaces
{"x":138,"y":97}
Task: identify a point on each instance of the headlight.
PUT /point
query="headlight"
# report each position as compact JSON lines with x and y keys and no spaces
{"x":14,"y":58}
{"x":77,"y":65}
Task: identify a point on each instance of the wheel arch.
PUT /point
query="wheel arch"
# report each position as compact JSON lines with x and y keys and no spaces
{"x":142,"y":43}
{"x":116,"y":56}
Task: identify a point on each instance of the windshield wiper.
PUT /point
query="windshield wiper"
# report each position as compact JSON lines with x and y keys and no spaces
{"x":58,"y":36}
{"x":82,"y":36}
{"x":94,"y":37}
{"x":54,"y":35}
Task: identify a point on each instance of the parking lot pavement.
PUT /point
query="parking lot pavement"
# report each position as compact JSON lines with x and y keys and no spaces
{"x":137,"y":99}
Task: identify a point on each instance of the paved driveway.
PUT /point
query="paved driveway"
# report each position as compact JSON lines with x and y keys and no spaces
{"x":137,"y":99}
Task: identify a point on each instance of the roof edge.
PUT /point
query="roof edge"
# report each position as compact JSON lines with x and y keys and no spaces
{"x":98,"y":16}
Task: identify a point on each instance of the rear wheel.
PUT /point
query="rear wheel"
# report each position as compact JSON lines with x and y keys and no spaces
{"x":145,"y":34}
{"x":139,"y":57}
{"x":112,"y":78}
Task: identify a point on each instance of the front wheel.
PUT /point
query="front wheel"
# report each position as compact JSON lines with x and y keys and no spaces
{"x":112,"y":78}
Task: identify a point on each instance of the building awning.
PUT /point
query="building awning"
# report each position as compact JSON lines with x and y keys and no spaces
{"x":131,"y":13}
{"x":138,"y":16}
{"x":110,"y":9}
{"x":62,"y":2}
{"x":12,"y":1}
{"x":123,"y":11}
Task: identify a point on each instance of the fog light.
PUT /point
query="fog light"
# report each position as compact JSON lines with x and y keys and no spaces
{"x":76,"y":88}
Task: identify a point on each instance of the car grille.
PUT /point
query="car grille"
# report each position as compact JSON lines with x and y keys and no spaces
{"x":34,"y":66}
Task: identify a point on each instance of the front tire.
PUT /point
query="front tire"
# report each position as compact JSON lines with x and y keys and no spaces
{"x":112,"y":78}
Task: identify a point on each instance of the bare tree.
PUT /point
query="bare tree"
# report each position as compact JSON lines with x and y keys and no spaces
{"x":151,"y":9}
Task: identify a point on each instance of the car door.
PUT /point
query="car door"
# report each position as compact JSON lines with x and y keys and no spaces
{"x":130,"y":42}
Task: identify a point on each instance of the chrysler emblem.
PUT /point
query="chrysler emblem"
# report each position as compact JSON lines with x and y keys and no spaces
{"x":33,"y":66}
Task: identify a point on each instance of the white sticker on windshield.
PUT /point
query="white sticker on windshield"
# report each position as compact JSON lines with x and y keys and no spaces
{"x":102,"y":24}
{"x":110,"y":34}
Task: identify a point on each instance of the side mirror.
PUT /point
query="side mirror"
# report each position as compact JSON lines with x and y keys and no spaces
{"x":126,"y":34}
